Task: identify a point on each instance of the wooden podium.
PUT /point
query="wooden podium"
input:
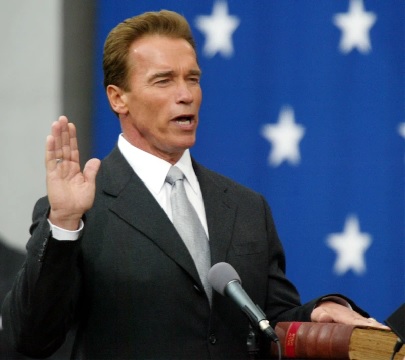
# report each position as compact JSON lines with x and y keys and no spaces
{"x":308,"y":340}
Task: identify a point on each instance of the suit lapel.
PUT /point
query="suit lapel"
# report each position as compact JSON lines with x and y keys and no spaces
{"x":135,"y":205}
{"x":220,"y":210}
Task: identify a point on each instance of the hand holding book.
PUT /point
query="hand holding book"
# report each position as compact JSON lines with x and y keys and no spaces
{"x":332,"y":312}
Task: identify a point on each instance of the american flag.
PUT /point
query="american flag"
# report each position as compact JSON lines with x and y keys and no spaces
{"x":303,"y":101}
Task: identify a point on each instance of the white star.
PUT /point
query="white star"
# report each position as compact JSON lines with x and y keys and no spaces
{"x":285,"y":137}
{"x":401,"y":129}
{"x":350,"y":246}
{"x":355,"y":26}
{"x":218,"y":29}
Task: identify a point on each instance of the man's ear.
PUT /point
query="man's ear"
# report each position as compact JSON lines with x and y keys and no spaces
{"x":118,"y":99}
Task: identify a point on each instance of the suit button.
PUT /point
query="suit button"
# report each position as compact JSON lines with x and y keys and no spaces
{"x":197,"y":288}
{"x":212,"y":339}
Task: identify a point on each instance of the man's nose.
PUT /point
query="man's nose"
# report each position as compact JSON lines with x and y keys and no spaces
{"x":184,"y":93}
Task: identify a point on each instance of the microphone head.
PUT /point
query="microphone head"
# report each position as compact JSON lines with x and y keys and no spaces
{"x":220,"y":275}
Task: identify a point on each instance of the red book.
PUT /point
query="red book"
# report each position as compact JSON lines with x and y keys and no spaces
{"x":310,"y":340}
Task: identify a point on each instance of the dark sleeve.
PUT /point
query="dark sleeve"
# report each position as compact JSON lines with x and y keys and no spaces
{"x":39,"y":310}
{"x":11,"y":261}
{"x":284,"y":302}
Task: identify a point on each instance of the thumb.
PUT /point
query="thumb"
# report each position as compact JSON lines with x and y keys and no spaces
{"x":321,"y":316}
{"x":91,"y":169}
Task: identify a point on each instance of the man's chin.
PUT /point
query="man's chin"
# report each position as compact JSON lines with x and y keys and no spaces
{"x":185,"y":144}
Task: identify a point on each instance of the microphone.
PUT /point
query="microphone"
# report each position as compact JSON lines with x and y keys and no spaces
{"x":225,"y":280}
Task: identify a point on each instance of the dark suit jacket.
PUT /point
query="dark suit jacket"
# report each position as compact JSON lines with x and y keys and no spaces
{"x":10,"y":262}
{"x":130,"y":284}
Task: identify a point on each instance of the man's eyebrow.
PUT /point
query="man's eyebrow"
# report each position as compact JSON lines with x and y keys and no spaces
{"x":170,"y":73}
{"x":161,"y":74}
{"x":195,"y":72}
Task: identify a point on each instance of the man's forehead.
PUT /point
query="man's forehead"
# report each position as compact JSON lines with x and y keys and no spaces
{"x":163,"y":54}
{"x":159,"y":43}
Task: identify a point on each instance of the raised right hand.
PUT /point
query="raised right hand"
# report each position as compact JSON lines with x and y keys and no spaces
{"x":70,"y":191}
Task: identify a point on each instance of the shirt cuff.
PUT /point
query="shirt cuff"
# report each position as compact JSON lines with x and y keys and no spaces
{"x":66,"y":235}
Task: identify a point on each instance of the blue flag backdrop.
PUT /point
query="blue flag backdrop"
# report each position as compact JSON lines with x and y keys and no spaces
{"x":303,"y":101}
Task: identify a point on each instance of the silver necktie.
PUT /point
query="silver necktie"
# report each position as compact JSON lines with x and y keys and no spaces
{"x":189,"y":227}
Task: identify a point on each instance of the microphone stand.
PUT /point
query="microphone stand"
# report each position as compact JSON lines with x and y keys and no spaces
{"x":252,"y":343}
{"x":263,"y":324}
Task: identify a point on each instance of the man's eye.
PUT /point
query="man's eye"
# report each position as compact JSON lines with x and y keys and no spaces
{"x":195,"y":80}
{"x":163,"y":81}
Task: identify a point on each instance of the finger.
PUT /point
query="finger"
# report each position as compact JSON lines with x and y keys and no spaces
{"x":54,"y":142}
{"x":56,"y":132}
{"x":373,"y":322}
{"x":74,"y":149}
{"x":369,"y":322}
{"x":50,"y":156}
{"x":321,"y":315}
{"x":90,"y":170}
{"x":65,"y":138}
{"x":324,"y":317}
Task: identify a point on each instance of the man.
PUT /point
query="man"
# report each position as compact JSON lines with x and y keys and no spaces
{"x":104,"y":254}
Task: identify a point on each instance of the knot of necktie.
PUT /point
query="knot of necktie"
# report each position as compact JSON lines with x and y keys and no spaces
{"x":174,"y":174}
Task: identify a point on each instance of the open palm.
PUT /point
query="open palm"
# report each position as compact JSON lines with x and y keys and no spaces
{"x":70,"y":191}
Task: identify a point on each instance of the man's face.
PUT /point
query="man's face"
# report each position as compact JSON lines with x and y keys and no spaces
{"x":161,"y":112}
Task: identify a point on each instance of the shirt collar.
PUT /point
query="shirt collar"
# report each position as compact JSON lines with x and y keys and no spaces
{"x":153,"y":170}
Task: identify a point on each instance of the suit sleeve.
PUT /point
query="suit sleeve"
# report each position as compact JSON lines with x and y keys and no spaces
{"x":39,"y":310}
{"x":284,"y":303}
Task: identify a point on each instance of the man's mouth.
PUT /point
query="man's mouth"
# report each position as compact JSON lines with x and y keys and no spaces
{"x":184,"y":120}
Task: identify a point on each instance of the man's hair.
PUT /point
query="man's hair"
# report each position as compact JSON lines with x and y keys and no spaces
{"x":116,"y":47}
